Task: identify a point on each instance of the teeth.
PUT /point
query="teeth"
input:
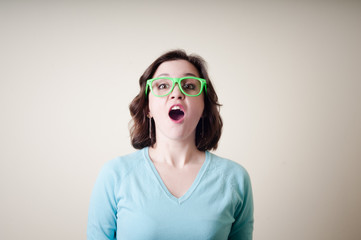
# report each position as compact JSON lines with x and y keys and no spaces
{"x":176,"y":108}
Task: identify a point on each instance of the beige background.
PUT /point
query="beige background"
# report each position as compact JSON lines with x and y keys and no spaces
{"x":287,"y":73}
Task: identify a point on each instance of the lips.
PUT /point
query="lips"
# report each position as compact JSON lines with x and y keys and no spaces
{"x":176,"y":113}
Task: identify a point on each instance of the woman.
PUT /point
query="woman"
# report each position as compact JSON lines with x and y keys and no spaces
{"x":173,"y":187}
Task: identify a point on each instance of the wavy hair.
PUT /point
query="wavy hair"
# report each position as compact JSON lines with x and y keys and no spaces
{"x":209,"y":127}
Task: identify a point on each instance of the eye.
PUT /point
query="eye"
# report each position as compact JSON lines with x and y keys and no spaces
{"x":163,"y":86}
{"x":189,"y":86}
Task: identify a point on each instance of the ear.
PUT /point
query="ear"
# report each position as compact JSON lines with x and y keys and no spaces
{"x":149,"y":115}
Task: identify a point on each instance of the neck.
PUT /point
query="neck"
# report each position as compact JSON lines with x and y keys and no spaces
{"x":175,"y":153}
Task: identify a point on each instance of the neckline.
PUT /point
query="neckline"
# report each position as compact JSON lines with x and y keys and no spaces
{"x":194,"y":185}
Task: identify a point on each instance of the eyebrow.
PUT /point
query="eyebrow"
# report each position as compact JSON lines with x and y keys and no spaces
{"x":184,"y":75}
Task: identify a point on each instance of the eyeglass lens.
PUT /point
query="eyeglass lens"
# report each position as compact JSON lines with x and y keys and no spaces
{"x":164,"y":86}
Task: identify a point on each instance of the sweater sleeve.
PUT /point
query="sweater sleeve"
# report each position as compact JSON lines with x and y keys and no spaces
{"x":103,"y":206}
{"x":242,"y":228}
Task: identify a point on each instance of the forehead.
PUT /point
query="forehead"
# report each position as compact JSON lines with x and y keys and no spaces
{"x":176,"y":68}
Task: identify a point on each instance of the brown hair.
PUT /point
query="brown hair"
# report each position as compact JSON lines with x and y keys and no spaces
{"x":209,"y":127}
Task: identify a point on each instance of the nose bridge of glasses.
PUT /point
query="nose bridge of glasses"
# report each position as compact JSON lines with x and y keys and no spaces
{"x":178,"y":85}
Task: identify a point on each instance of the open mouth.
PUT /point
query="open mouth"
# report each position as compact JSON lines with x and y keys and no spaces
{"x":176,"y":113}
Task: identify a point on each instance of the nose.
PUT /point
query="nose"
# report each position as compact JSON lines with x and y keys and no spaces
{"x":176,"y":93}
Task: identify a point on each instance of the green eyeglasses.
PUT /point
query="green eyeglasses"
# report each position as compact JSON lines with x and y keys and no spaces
{"x":163,"y":86}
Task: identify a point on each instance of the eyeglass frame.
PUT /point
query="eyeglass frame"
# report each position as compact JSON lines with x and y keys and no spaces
{"x":174,"y":81}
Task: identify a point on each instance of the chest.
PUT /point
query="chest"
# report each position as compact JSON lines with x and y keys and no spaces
{"x":178,"y":180}
{"x":165,"y":222}
{"x":146,"y":208}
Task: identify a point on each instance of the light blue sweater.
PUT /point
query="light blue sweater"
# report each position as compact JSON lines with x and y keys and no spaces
{"x":130,"y":201}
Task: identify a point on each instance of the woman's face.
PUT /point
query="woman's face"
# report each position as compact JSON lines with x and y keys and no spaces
{"x":176,"y":115}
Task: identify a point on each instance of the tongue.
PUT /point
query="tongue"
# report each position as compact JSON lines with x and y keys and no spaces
{"x":176,"y":114}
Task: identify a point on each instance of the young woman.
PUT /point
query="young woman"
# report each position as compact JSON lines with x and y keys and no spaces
{"x":173,"y":187}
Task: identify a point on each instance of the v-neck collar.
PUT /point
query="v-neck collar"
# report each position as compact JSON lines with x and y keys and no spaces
{"x":194,"y":185}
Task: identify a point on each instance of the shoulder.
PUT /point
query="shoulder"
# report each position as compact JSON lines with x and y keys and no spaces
{"x":228,"y":167}
{"x":122,"y":165}
{"x":233,"y":173}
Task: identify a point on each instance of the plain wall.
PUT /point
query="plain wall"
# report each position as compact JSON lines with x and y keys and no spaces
{"x":287,"y":74}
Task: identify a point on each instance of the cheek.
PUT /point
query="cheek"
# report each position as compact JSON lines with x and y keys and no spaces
{"x":154,"y":105}
{"x":198,"y":107}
